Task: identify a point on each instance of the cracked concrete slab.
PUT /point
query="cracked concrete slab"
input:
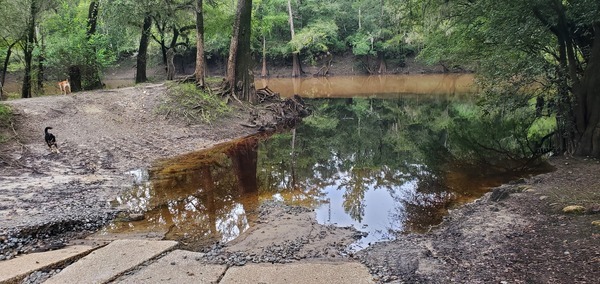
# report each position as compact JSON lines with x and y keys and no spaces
{"x":299,"y":273}
{"x":179,"y":266}
{"x":19,"y":267}
{"x":111,"y":261}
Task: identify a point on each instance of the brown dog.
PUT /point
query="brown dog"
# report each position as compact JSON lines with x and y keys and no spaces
{"x":65,"y":87}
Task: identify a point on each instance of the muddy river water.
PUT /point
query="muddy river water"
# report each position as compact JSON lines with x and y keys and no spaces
{"x":377,"y":155}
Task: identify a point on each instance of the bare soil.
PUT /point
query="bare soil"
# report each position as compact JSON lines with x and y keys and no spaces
{"x":47,"y":199}
{"x":522,"y":238}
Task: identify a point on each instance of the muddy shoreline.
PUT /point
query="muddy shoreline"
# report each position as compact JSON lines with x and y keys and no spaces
{"x":522,"y":238}
{"x":50,"y":200}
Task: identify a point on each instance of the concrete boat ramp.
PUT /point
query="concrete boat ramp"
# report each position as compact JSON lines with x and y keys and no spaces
{"x":150,"y":261}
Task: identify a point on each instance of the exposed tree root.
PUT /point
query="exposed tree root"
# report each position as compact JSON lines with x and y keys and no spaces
{"x":275,"y":114}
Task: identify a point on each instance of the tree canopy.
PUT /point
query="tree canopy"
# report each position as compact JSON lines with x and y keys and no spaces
{"x":545,"y":50}
{"x":515,"y":44}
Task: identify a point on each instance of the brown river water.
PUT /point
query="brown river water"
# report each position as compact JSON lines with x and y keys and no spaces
{"x":351,"y":174}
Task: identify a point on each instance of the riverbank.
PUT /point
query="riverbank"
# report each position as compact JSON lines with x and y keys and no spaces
{"x":516,"y":234}
{"x":49,"y":200}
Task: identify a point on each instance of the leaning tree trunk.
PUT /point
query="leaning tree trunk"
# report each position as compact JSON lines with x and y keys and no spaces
{"x":92,"y":19}
{"x":587,"y":97}
{"x":239,"y":65}
{"x":140,"y":74}
{"x":199,"y":73}
{"x":5,"y":68}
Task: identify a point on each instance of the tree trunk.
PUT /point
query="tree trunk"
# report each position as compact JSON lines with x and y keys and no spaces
{"x":92,"y":19}
{"x":239,"y":65}
{"x":199,"y":73}
{"x":40,"y":67}
{"x":75,"y":78}
{"x":382,"y":64}
{"x":587,"y":95}
{"x":208,"y":186}
{"x":90,"y":73}
{"x":140,"y":75}
{"x":5,"y":68}
{"x":165,"y":49}
{"x":28,"y":52}
{"x":161,"y":41}
{"x":244,"y":157}
{"x":326,"y":58}
{"x":296,"y":67}
{"x":170,"y":64}
{"x":264,"y":72}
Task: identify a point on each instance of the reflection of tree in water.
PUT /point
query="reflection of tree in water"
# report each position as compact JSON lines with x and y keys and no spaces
{"x":200,"y":197}
{"x":289,"y":176}
{"x":361,"y":144}
{"x":354,"y":195}
{"x":425,"y":205}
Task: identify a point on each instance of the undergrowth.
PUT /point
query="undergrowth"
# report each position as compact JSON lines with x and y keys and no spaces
{"x":193,"y":105}
{"x":5,"y":121}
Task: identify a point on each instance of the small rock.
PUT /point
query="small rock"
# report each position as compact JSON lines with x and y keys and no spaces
{"x":573,"y":209}
{"x":543,"y":197}
{"x":596,"y":223}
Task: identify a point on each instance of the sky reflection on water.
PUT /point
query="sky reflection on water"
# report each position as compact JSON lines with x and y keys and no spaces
{"x":374,"y":164}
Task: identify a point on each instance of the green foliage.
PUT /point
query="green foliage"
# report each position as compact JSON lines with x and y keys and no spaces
{"x":492,"y":133}
{"x":270,"y":16}
{"x":362,"y":44}
{"x":67,"y":42}
{"x":195,"y":106}
{"x":526,"y":49}
{"x":317,"y":37}
{"x":120,"y":22}
{"x":321,"y":120}
{"x":217,"y":28}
